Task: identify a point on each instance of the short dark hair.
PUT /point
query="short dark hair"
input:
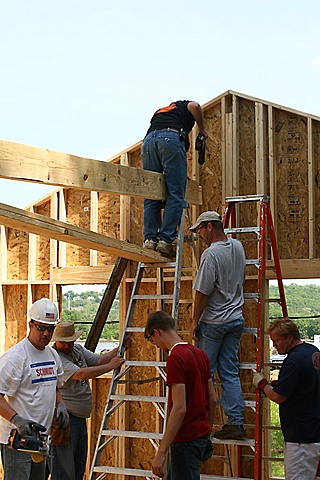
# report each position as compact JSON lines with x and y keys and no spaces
{"x":161,"y":320}
{"x":285,"y":327}
{"x":216,"y":225}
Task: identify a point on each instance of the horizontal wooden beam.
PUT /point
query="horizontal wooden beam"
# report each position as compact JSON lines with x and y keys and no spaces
{"x":65,"y":232}
{"x":33,"y":164}
{"x":297,"y":268}
{"x":81,"y":275}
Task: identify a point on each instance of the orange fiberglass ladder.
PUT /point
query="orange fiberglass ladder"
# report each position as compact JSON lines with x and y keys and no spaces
{"x":265,"y":235}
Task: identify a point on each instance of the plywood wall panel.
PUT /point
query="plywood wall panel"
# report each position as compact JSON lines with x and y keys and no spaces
{"x":210,"y":173}
{"x":15,"y":300}
{"x":43,"y":246}
{"x":108,"y":222}
{"x":78,"y":213}
{"x":291,"y":157}
{"x":316,"y":183}
{"x":18,"y":244}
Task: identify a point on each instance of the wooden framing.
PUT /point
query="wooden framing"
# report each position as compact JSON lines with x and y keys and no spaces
{"x":254,"y":146}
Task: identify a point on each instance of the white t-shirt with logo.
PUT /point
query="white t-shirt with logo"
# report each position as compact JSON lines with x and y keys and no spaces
{"x":28,"y":379}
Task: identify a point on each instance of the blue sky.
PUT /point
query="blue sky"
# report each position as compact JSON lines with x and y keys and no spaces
{"x":84,"y":77}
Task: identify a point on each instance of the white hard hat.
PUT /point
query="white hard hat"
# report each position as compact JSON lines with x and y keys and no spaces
{"x":44,"y":311}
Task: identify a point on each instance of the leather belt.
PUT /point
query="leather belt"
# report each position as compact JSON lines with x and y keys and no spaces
{"x":168,"y":129}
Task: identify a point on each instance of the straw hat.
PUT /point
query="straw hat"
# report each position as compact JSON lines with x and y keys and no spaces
{"x":65,"y":332}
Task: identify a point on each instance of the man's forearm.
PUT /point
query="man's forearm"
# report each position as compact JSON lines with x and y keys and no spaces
{"x":6,"y":411}
{"x":174,"y":423}
{"x":106,"y":357}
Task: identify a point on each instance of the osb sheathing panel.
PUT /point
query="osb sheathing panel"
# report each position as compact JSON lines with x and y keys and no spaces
{"x":43,"y":247}
{"x":15,"y":302}
{"x":316,"y":183}
{"x":78,"y":213}
{"x":291,"y":157}
{"x":108,"y":222}
{"x":18,"y":244}
{"x":210,"y":173}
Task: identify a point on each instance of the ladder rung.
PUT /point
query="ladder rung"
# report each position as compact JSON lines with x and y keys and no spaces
{"x":153,"y":297}
{"x":135,"y":329}
{"x":273,"y":300}
{"x":252,"y":261}
{"x":247,"y":366}
{"x":251,"y":296}
{"x":138,"y":398}
{"x":132,"y":434}
{"x":249,"y":442}
{"x":250,"y":404}
{"x":215,"y":477}
{"x":254,"y":331}
{"x":245,"y":198}
{"x":242,"y":230}
{"x":125,"y":471}
{"x":142,"y":363}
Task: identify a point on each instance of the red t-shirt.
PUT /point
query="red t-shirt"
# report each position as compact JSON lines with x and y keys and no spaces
{"x":189,"y":365}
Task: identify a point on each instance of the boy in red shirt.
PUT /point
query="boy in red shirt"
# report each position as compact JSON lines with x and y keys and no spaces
{"x":191,"y":401}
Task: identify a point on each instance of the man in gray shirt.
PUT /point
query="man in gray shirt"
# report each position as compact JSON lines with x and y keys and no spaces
{"x":217,"y":320}
{"x":79,"y":365}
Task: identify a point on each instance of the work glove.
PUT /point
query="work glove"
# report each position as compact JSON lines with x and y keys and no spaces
{"x":23,"y":425}
{"x":62,"y":415}
{"x":259,"y":381}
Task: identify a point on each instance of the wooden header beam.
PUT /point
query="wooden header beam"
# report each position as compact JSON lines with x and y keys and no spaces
{"x":65,"y":232}
{"x":33,"y":164}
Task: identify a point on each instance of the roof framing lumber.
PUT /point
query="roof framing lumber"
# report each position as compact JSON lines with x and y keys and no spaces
{"x":33,"y":164}
{"x":65,"y":232}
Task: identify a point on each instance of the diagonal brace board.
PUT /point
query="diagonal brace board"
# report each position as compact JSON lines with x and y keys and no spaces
{"x":33,"y":164}
{"x":65,"y":232}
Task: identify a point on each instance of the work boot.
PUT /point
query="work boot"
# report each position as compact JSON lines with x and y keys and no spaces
{"x":149,"y":244}
{"x":166,"y":249}
{"x":231,"y":432}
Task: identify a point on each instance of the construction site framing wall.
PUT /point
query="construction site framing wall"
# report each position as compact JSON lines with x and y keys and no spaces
{"x":253,"y":147}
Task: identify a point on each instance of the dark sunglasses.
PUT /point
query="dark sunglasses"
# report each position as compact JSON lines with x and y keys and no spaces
{"x":42,"y":328}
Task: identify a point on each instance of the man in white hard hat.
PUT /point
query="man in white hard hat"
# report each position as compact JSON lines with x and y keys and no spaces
{"x":79,"y":365}
{"x":30,"y":373}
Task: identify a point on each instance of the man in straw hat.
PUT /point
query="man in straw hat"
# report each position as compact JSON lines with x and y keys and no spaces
{"x":79,"y":365}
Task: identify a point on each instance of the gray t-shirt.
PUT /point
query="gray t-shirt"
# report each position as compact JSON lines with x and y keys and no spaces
{"x":77,"y":393}
{"x":221,"y":277}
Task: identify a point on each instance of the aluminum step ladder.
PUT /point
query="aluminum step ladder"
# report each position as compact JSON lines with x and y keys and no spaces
{"x":115,"y":398}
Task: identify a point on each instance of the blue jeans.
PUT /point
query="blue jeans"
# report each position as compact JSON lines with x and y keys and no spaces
{"x":221,"y":343}
{"x":69,"y":461}
{"x":164,"y":152}
{"x":19,"y":465}
{"x":186,"y":459}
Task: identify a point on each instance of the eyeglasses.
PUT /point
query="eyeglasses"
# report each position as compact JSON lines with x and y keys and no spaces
{"x":149,"y":336}
{"x":42,"y":328}
{"x":200,"y":227}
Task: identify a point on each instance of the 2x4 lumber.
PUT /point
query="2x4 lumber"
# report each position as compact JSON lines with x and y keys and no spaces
{"x":81,"y":275}
{"x":260,"y":148}
{"x":64,"y":232}
{"x":33,"y":164}
{"x":311,"y":189}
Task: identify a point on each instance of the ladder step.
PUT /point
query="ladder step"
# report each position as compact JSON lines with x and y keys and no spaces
{"x":254,"y":331}
{"x":153,"y":297}
{"x":142,"y":363}
{"x":241,"y":230}
{"x":250,"y":404}
{"x":251,"y":296}
{"x":252,"y":261}
{"x":138,"y":398}
{"x":247,"y":366}
{"x":273,"y":300}
{"x":245,"y":198}
{"x":132,"y":434}
{"x":215,"y":477}
{"x":125,"y":471}
{"x":249,"y":442}
{"x":135,"y":329}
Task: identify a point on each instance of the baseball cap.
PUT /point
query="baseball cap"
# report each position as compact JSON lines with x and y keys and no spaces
{"x":210,"y":216}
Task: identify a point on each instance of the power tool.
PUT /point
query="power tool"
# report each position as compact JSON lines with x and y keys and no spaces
{"x":201,"y":148}
{"x":37,"y":443}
